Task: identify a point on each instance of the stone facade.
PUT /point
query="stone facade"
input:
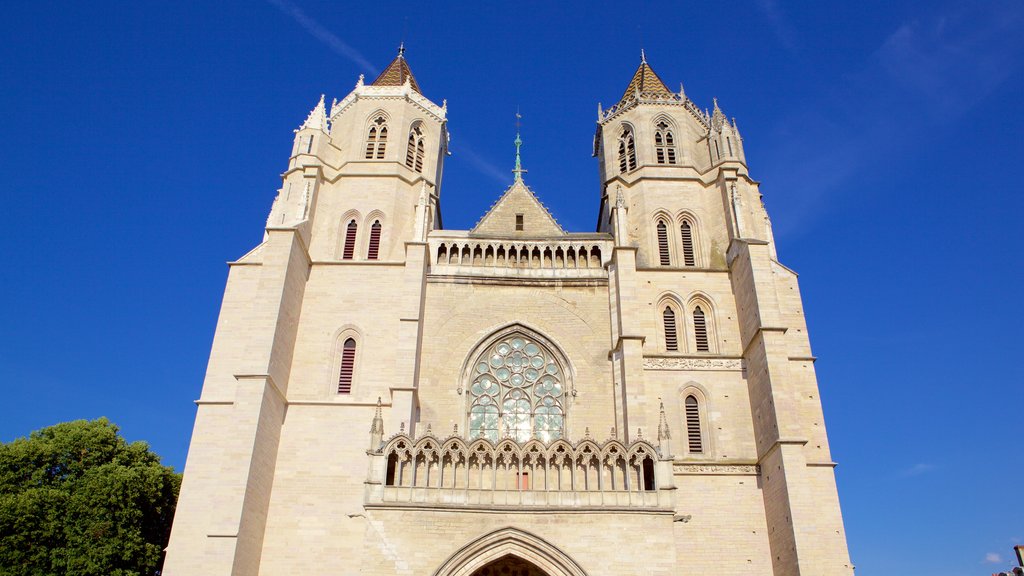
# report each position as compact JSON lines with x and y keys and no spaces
{"x":386,"y":396}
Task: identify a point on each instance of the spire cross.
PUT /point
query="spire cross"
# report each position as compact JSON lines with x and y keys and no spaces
{"x":518,"y":142}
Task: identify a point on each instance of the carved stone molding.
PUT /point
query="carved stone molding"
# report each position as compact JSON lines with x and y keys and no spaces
{"x":717,"y":469}
{"x":671,"y":363}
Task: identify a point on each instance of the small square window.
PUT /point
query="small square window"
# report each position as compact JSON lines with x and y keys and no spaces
{"x":519,"y":222}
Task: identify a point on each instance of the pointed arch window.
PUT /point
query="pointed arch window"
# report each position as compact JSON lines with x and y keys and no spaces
{"x":664,"y":144}
{"x":668,"y":318}
{"x":349,"y":249}
{"x":700,"y":329}
{"x":663,"y":253}
{"x":415,"y":151}
{"x":348,"y":363}
{"x":517,"y":390}
{"x":686,"y":233}
{"x":694,"y":438}
{"x":376,"y":139}
{"x":373,"y":250}
{"x":627,"y":150}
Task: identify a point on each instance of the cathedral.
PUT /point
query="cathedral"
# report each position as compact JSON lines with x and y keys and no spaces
{"x":388,"y":396}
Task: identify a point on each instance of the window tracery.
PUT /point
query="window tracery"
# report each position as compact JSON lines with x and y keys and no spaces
{"x":517,"y":390}
{"x":627,"y":150}
{"x":376,"y":138}
{"x":664,"y":143}
{"x":415,"y":151}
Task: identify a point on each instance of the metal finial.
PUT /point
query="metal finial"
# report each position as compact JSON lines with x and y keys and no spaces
{"x":518,"y":171}
{"x":401,"y":49}
{"x":643,"y":57}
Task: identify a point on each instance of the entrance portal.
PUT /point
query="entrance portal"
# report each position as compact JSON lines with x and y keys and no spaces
{"x":509,"y":566}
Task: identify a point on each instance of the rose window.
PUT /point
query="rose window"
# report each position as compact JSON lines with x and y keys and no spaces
{"x":517,"y":391}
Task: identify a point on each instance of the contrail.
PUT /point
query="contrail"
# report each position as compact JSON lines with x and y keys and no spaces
{"x":324,"y":35}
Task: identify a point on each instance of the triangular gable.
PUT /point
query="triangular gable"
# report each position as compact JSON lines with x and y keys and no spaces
{"x":518,"y":200}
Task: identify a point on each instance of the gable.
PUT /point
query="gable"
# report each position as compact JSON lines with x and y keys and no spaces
{"x":518,"y":200}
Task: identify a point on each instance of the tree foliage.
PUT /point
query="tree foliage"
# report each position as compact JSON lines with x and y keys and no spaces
{"x":77,"y":499}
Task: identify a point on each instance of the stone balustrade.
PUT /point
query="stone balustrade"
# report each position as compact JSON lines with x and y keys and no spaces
{"x":572,"y":257}
{"x":457,"y":472}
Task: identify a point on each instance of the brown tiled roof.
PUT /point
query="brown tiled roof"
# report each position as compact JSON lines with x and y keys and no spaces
{"x":645,"y":81}
{"x":396,"y":73}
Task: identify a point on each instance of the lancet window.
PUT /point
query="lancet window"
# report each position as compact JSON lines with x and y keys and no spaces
{"x":700,"y":329}
{"x":663,"y":252}
{"x":415,"y":151}
{"x":627,"y":150}
{"x":373,"y":250}
{"x":668,"y":318}
{"x":694,"y":439}
{"x":664,"y":144}
{"x":348,"y":361}
{"x":349,"y":249}
{"x":376,"y":139}
{"x":517,"y":390}
{"x":686,"y":233}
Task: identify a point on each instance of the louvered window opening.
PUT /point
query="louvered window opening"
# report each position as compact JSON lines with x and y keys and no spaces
{"x":348,"y":361}
{"x":663,"y":244}
{"x":664,"y":144}
{"x":671,"y":338}
{"x":374,"y":249}
{"x":627,"y":151}
{"x":376,"y":139}
{"x":382,"y":141}
{"x":371,"y":142}
{"x":693,"y":436}
{"x":415,"y":151}
{"x":350,"y":241}
{"x":700,"y":330}
{"x":687,"y":233}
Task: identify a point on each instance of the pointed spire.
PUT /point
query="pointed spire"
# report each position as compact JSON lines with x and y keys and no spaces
{"x":317,"y":119}
{"x":645,"y":81}
{"x":664,"y":436}
{"x":377,"y":428}
{"x":717,"y":117}
{"x":518,"y":171}
{"x":397,"y":73}
{"x":663,"y":431}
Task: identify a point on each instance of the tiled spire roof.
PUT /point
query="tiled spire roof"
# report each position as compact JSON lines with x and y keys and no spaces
{"x":397,"y":73}
{"x":645,"y":81}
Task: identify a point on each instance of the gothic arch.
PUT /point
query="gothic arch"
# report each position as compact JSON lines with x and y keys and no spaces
{"x":537,"y":403}
{"x":707,"y":307}
{"x":367,"y":226}
{"x":660,"y":243}
{"x":700,"y":393}
{"x":685,"y":216}
{"x":339,"y":242}
{"x":509,"y":542}
{"x":341,"y":335}
{"x":673,"y":302}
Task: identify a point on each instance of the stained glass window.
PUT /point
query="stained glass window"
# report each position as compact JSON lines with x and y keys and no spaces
{"x":517,"y":390}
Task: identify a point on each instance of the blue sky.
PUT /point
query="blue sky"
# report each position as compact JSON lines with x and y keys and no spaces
{"x":142,"y":145}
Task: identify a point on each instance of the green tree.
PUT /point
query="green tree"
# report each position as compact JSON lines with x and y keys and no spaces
{"x":76,"y":499}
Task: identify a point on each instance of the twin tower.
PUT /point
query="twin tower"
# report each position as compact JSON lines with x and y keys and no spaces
{"x":387,"y":396}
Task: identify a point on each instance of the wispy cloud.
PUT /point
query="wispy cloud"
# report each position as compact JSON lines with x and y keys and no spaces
{"x":781,"y":26}
{"x":992,"y":558}
{"x":337,"y":45}
{"x":916,"y":470}
{"x":483,"y":165}
{"x":929,"y":73}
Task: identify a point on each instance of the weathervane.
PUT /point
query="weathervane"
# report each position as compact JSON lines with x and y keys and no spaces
{"x":519,"y":142}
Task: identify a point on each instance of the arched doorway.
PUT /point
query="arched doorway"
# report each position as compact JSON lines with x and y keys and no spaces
{"x":509,"y":566}
{"x":509,"y":552}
